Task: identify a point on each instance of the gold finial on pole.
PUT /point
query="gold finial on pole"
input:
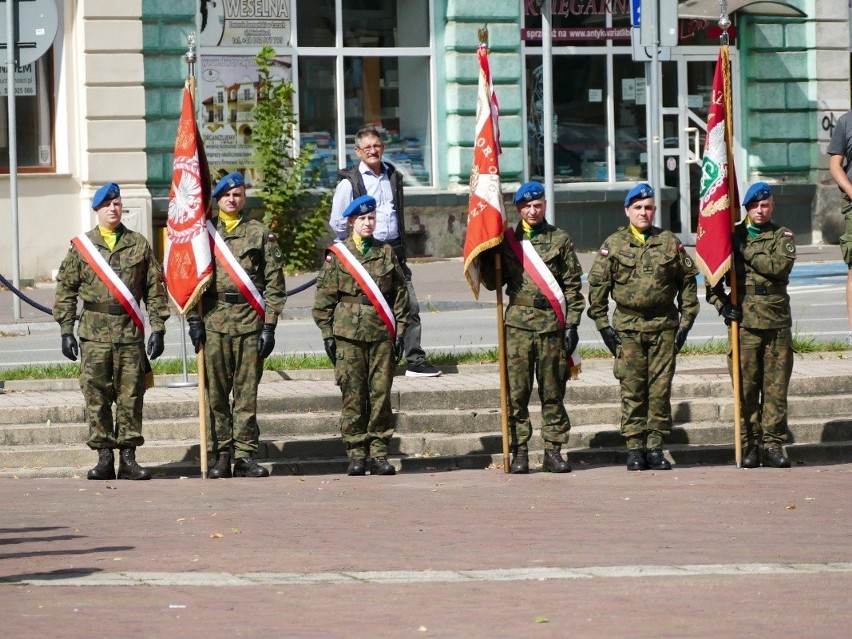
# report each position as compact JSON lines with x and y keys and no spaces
{"x":483,"y":35}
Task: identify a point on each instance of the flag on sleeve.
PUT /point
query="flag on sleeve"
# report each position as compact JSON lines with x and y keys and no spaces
{"x":486,"y":218}
{"x":718,"y":197}
{"x":188,"y":258}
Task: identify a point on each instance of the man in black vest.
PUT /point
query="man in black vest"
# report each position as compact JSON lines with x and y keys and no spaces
{"x":380,"y":180}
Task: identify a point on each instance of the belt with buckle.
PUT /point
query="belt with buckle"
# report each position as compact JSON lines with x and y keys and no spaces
{"x":228,"y":298}
{"x":646,"y":314}
{"x":356,"y":299}
{"x":104,"y":307}
{"x":765,"y":289}
{"x":535,"y":302}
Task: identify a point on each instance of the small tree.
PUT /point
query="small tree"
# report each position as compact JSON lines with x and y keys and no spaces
{"x":284,"y":170}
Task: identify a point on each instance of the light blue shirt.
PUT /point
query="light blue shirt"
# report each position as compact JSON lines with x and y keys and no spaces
{"x":379,"y":186}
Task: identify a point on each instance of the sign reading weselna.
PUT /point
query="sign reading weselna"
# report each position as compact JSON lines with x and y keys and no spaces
{"x":242,"y":23}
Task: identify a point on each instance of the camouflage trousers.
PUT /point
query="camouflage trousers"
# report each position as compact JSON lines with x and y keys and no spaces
{"x":234,"y":368}
{"x":645,"y":366}
{"x":766,"y":364}
{"x":113,"y":374}
{"x":364,"y":373}
{"x":528,"y":354}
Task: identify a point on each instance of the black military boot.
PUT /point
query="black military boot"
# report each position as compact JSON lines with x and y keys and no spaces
{"x":636,"y":459}
{"x":381,"y":466}
{"x":554,"y":463}
{"x":751,"y":457}
{"x":656,"y":460}
{"x":247,"y":467}
{"x":520,"y":462}
{"x":127,"y":466}
{"x":105,"y":468}
{"x":357,"y":467}
{"x":773,"y":456}
{"x":222,"y":468}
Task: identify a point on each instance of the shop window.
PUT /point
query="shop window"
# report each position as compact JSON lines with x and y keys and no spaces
{"x":388,"y":91}
{"x":33,"y":114}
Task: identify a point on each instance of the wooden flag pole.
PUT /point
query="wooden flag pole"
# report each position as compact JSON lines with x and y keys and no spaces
{"x":736,"y":375}
{"x":501,"y":361}
{"x":189,"y":56}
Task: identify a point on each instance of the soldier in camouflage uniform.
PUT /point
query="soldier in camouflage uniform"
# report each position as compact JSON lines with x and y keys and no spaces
{"x":359,"y":342}
{"x":536,"y":344}
{"x":112,"y":352}
{"x":652,"y":281}
{"x":237,"y":337}
{"x":764,"y":254}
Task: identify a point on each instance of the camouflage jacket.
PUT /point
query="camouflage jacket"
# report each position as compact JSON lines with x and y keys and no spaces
{"x":134,"y":263}
{"x":652,"y":283}
{"x":337,"y":315}
{"x":255,"y":248}
{"x":554,"y":247}
{"x":763,"y":272}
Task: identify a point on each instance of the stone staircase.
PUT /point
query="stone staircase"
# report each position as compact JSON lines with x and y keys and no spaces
{"x":442,"y":423}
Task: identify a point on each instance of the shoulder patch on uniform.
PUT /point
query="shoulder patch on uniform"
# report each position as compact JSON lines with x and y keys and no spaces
{"x":687,"y":261}
{"x":788,"y":233}
{"x":270,"y":237}
{"x":680,"y":247}
{"x":604,"y":251}
{"x":328,"y":257}
{"x":789,"y":247}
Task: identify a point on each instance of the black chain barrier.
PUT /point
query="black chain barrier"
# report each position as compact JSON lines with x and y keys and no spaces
{"x":45,"y":309}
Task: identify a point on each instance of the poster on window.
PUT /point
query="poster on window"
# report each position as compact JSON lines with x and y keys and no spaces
{"x":244,"y":23}
{"x":25,"y":80}
{"x":227,"y":94}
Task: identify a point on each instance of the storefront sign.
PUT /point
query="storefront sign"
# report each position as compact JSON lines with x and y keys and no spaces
{"x":578,"y":7}
{"x":227,"y":95}
{"x":244,"y":23}
{"x":568,"y":34}
{"x":25,"y":80}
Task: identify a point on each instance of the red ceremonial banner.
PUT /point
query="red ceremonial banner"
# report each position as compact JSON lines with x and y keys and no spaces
{"x":718,"y":198}
{"x":486,"y":218}
{"x":188,"y":260}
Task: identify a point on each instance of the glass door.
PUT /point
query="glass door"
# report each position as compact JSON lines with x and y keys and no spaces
{"x":687,"y":86}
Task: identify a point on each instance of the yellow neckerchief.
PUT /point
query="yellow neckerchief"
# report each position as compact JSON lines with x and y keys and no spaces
{"x":754,"y":230}
{"x":363,"y":244}
{"x":230,"y":220}
{"x":531,"y":231}
{"x":111,"y":236}
{"x":639,"y":235}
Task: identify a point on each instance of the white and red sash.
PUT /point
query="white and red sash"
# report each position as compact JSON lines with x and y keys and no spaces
{"x":104,"y":271}
{"x":236,"y":271}
{"x":367,"y":284}
{"x":535,"y":267}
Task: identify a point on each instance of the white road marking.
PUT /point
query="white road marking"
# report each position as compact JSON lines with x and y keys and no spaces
{"x":206,"y":579}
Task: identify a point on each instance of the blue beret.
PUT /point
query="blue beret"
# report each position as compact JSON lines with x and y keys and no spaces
{"x":360,"y":206}
{"x":230,"y":181}
{"x":641,"y":191}
{"x":757,"y":192}
{"x":107,"y":192}
{"x":529,"y":192}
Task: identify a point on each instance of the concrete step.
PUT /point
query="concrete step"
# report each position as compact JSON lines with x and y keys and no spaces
{"x":595,"y":443}
{"x":484,"y":420}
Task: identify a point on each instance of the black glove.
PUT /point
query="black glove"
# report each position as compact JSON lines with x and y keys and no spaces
{"x":571,"y":338}
{"x":731,"y":312}
{"x":69,"y":347}
{"x":330,"y":348}
{"x":266,"y":340}
{"x":155,"y":344}
{"x":197,"y":332}
{"x":610,"y":338}
{"x":398,"y":350}
{"x":680,"y":337}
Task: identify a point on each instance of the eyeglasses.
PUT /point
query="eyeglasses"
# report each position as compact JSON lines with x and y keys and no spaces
{"x":367,"y":147}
